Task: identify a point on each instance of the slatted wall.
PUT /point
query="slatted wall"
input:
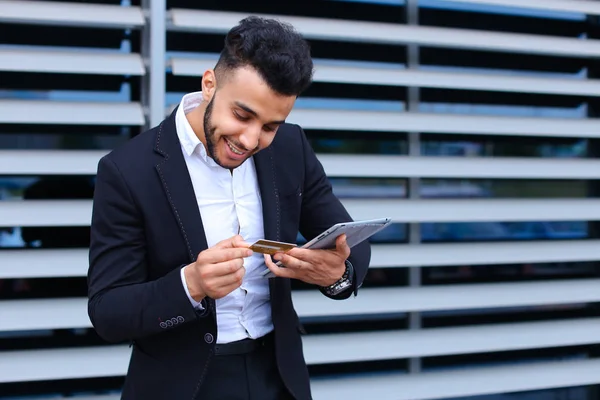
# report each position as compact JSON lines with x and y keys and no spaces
{"x":398,"y":89}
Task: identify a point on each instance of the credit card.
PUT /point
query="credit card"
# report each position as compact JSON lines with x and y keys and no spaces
{"x":271,"y":247}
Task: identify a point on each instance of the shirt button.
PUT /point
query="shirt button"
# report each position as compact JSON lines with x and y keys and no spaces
{"x":208,"y":338}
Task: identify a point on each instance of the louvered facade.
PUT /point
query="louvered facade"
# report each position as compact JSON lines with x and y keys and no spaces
{"x":472,"y":123}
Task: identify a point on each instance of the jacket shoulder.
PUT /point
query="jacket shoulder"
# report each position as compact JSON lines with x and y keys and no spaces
{"x":289,"y":136}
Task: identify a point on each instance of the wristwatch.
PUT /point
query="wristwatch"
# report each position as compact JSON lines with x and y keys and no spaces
{"x":343,"y":283}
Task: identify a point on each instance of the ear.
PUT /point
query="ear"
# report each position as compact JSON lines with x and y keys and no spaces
{"x":209,"y":84}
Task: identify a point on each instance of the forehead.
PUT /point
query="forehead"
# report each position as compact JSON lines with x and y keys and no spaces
{"x":245,"y":85}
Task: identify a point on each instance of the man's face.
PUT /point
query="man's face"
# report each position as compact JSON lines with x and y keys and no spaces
{"x":242,"y":117}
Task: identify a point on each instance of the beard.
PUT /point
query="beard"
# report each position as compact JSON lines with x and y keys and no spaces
{"x":209,"y":133}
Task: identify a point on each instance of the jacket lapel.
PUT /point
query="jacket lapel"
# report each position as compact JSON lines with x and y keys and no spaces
{"x":178,"y":187}
{"x":265,"y":172}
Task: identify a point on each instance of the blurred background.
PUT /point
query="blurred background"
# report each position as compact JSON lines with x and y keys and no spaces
{"x":471,"y":123}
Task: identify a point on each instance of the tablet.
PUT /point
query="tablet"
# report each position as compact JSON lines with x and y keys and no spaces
{"x":356,"y":232}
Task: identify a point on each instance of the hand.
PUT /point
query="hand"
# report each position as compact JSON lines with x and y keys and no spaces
{"x":317,"y":267}
{"x":218,"y":270}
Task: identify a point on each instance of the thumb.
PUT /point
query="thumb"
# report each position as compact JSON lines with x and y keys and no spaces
{"x":341,"y":246}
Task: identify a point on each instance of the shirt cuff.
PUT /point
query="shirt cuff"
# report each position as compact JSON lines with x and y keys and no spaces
{"x":197,"y":305}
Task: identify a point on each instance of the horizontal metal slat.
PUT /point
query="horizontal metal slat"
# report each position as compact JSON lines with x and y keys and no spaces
{"x":70,"y":112}
{"x":193,"y":67}
{"x":50,"y":162}
{"x":76,"y":363}
{"x":574,"y":6}
{"x":46,"y":263}
{"x":424,"y":79}
{"x":467,"y":381}
{"x":41,"y":314}
{"x":78,"y":212}
{"x":387,"y":166}
{"x":470,"y":381}
{"x":480,"y":210}
{"x":46,"y":213}
{"x":36,"y":314}
{"x":70,"y":14}
{"x":338,"y":348}
{"x":385,"y":121}
{"x":495,"y":253}
{"x":72,"y":313}
{"x":85,"y":162}
{"x":388,"y":345}
{"x":376,"y":32}
{"x":70,"y":62}
{"x":449,"y":297}
{"x":43,"y":263}
{"x":457,"y":124}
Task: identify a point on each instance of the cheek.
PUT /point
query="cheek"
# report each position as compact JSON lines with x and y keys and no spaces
{"x":228,"y":127}
{"x":224,"y":122}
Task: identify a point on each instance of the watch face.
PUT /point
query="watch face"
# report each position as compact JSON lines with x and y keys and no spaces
{"x":340,"y":287}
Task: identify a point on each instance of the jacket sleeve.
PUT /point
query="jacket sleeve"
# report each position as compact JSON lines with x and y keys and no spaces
{"x":321,"y":209}
{"x":122,"y":303}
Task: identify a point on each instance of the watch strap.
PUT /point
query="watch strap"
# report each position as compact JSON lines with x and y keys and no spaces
{"x":342,"y":284}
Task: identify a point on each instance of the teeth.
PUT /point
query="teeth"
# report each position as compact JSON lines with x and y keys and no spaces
{"x":233,"y":148}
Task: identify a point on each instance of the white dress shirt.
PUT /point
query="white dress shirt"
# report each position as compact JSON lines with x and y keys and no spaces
{"x":229,"y":204}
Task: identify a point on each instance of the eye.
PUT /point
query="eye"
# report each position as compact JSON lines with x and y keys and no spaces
{"x":240,"y":117}
{"x":269,"y":128}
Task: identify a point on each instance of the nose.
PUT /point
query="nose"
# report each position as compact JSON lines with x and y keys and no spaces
{"x":249,"y":138}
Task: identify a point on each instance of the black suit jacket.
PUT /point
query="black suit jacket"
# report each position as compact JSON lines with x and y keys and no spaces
{"x":146,"y":226}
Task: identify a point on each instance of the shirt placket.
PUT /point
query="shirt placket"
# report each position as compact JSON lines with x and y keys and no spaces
{"x":236,"y":183}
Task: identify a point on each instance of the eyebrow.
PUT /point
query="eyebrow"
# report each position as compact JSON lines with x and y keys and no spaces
{"x":251,"y":111}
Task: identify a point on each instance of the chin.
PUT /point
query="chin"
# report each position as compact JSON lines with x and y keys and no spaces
{"x":232,"y":165}
{"x":226,"y":162}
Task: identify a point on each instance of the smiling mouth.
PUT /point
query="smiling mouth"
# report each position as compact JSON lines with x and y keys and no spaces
{"x":234,"y":149}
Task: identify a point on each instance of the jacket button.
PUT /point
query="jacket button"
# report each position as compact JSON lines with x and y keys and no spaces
{"x":175,"y":321}
{"x":208,"y":338}
{"x":163,"y":325}
{"x":180,"y":319}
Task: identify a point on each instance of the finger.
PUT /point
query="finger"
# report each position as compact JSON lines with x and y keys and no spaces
{"x":227,"y":267}
{"x":289,"y":261}
{"x":223,"y":285}
{"x":213,"y":256}
{"x":341,"y":246}
{"x":224,"y":291}
{"x":209,"y":272}
{"x":278,"y":271}
{"x":232,"y":242}
{"x":300,"y":253}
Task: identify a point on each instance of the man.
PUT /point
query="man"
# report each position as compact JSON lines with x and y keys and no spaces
{"x":175,"y":210}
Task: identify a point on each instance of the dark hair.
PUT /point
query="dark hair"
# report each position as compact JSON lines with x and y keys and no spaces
{"x":279,"y":54}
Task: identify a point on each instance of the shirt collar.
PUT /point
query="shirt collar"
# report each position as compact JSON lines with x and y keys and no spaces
{"x":189,"y":141}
